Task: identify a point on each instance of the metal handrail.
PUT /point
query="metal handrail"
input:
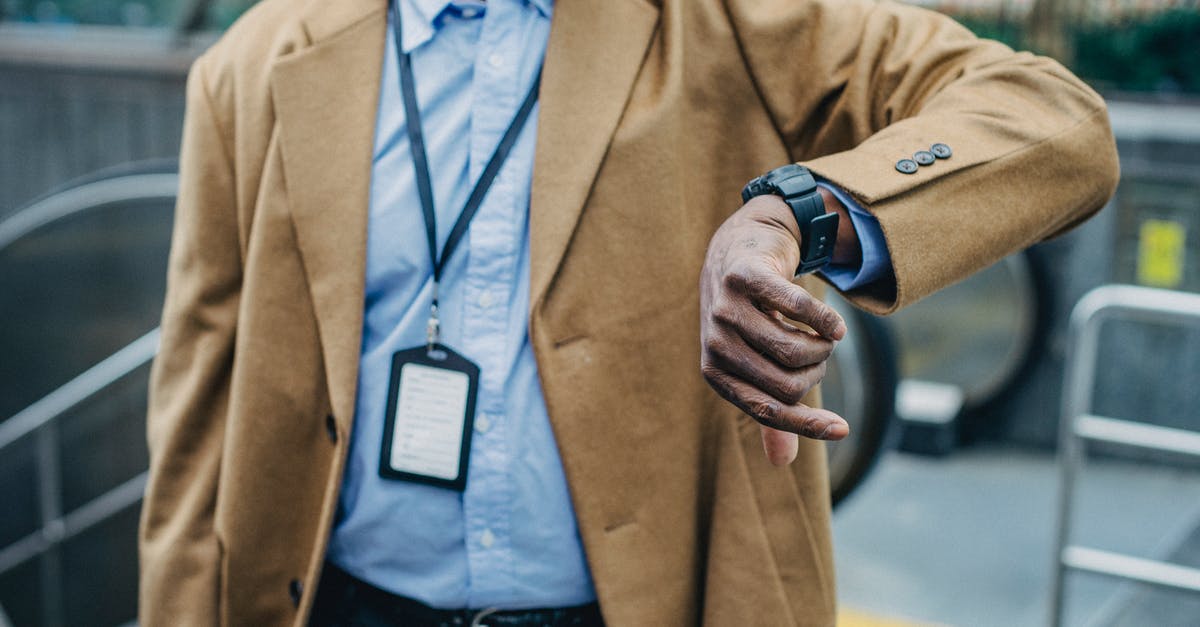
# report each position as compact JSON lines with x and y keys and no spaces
{"x":38,"y":424}
{"x":1079,"y":426}
{"x":93,"y":381}
{"x":40,"y":417}
{"x":86,"y":197}
{"x":64,"y":528}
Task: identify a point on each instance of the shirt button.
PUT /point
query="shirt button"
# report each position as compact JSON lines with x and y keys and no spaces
{"x":924,"y":157}
{"x":487,"y":539}
{"x":496,"y":60}
{"x":941,"y":151}
{"x":483,"y":424}
{"x":486,"y":300}
{"x":907,"y":166}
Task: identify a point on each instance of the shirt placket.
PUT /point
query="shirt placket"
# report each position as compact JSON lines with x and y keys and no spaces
{"x":493,"y":241}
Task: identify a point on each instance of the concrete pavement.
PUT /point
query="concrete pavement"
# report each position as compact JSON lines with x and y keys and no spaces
{"x":967,"y":540}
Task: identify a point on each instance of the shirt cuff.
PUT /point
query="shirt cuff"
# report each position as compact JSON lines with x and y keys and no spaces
{"x":876,"y":260}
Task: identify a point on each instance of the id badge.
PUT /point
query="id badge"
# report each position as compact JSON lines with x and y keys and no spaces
{"x":430,"y":413}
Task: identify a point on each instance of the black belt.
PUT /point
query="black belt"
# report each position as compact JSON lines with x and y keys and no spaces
{"x":345,"y":601}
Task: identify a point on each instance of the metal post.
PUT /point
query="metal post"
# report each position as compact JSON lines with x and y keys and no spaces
{"x":1080,"y":377}
{"x":1078,"y":426}
{"x":49,"y":471}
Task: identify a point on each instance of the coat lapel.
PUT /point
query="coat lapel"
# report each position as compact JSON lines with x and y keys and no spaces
{"x":595,"y":50}
{"x":325,"y":100}
{"x":326,"y":97}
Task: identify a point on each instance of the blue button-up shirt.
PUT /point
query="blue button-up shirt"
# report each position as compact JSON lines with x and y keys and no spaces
{"x":510,"y":539}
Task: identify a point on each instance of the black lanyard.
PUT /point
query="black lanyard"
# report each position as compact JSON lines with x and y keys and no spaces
{"x":416,"y":142}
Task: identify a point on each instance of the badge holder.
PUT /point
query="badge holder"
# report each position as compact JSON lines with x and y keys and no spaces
{"x":430,"y":414}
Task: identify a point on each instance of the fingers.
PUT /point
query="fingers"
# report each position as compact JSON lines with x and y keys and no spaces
{"x":783,"y":343}
{"x":796,"y":418}
{"x":788,"y":385}
{"x":750,"y":354}
{"x":781,"y":447}
{"x":771,"y":291}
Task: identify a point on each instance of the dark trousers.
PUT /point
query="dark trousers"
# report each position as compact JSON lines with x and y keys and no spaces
{"x":345,"y":601}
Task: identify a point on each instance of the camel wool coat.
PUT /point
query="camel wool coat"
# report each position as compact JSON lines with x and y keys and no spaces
{"x":653,"y":115}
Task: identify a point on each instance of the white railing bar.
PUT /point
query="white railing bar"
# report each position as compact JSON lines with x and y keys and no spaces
{"x":1146,"y":304}
{"x":1128,"y":567}
{"x":1102,"y":304}
{"x":1127,"y":433}
{"x":79,"y":389}
{"x":1106,"y":613}
{"x":88,"y":515}
{"x":22,"y":551}
{"x":86,"y":197}
{"x":105,"y":506}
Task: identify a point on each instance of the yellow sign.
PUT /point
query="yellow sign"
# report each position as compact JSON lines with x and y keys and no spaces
{"x":1160,"y":253}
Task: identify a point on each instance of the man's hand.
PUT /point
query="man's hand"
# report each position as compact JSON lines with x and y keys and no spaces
{"x":750,"y":354}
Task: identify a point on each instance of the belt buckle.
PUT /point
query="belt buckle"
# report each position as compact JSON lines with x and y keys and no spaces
{"x":477,"y":619}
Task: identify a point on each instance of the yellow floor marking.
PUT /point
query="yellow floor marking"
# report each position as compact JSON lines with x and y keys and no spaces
{"x":855,"y":618}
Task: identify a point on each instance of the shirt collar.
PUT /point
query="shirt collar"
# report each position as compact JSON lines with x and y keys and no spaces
{"x":419,"y":18}
{"x":545,"y":7}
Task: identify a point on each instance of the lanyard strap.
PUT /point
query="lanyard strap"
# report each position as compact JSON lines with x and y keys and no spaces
{"x":416,"y":142}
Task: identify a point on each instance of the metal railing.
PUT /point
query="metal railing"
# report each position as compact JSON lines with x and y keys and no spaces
{"x":40,"y":421}
{"x":39,"y":426}
{"x":1079,"y":427}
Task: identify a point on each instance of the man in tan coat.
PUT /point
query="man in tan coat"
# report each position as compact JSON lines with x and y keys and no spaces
{"x":652,"y":116}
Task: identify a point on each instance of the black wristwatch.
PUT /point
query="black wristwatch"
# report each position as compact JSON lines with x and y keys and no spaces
{"x":797,"y":187}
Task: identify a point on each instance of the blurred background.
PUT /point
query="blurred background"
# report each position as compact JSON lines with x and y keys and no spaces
{"x":952,"y":506}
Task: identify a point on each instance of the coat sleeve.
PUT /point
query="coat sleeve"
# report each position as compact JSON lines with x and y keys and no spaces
{"x":189,"y":385}
{"x":854,"y":86}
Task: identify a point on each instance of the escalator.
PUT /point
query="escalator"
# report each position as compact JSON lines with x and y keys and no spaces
{"x":82,"y":276}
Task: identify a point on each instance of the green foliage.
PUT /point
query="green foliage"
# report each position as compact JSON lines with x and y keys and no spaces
{"x":113,"y":12}
{"x":153,"y":13}
{"x":1159,"y":52}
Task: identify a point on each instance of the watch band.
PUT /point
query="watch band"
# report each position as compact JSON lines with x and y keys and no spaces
{"x":797,"y":187}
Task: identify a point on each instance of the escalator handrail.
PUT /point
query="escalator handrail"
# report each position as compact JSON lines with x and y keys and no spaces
{"x":59,"y":530}
{"x":83,"y":196}
{"x":93,"y":381}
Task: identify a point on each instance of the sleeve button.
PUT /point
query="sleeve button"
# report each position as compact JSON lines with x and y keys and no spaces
{"x":941,"y":151}
{"x":907,"y":166}
{"x":924,"y":157}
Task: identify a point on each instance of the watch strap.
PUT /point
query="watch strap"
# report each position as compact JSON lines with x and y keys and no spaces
{"x":818,"y":229}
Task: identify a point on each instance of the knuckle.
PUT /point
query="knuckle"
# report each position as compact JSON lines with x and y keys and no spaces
{"x":828,"y":317}
{"x":819,"y":371}
{"x":725,"y":313}
{"x":764,"y":410}
{"x":737,"y":279}
{"x":824,"y":352}
{"x":712,"y":346}
{"x":800,"y":300}
{"x":811,"y":426}
{"x":711,"y":373}
{"x":791,"y":353}
{"x":797,"y":388}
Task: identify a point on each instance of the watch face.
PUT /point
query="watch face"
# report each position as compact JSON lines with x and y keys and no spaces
{"x":788,"y":181}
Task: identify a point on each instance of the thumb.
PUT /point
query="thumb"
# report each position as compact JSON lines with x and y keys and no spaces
{"x":780,"y":446}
